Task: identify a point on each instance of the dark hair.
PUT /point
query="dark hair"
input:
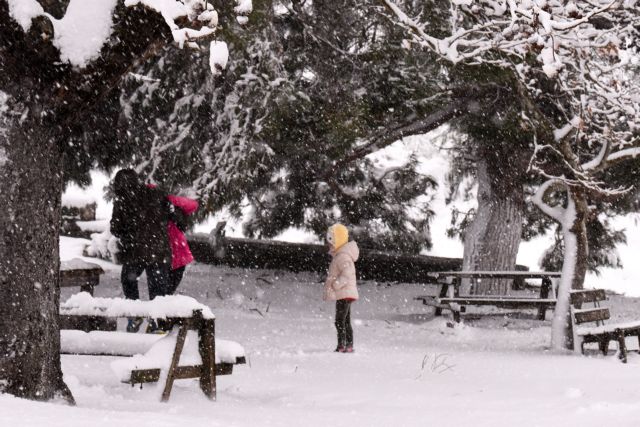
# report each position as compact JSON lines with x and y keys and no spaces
{"x":126,"y":183}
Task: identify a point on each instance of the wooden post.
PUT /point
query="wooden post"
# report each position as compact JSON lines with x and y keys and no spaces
{"x":207,"y":348}
{"x":457,"y":282}
{"x":443,"y":293}
{"x":182,"y":334}
{"x":544,"y":294}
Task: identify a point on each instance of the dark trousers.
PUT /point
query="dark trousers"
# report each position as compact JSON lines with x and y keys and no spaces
{"x":175,"y":277}
{"x":157,"y":279}
{"x":343,"y":323}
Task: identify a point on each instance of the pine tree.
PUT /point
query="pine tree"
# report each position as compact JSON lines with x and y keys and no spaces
{"x":47,"y":87}
{"x":280,"y":129}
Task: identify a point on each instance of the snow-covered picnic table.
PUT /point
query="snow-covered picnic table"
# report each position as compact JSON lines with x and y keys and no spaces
{"x":190,"y":350}
{"x":164,"y":307}
{"x":449,"y":297}
{"x":77,"y":272}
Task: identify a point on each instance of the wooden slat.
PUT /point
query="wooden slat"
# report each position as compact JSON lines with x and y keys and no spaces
{"x":88,"y":323}
{"x":432,"y":302}
{"x":139,"y":376}
{"x":591,"y":315}
{"x":497,"y":274}
{"x":583,"y":296}
{"x":501,"y":302}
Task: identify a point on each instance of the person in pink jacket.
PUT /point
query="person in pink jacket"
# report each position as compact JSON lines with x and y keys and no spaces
{"x":181,"y":254}
{"x":340,"y":285}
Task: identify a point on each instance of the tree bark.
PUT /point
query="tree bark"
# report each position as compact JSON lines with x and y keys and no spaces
{"x":31,"y":176}
{"x":491,"y":241}
{"x":574,"y":267}
{"x":45,"y":97}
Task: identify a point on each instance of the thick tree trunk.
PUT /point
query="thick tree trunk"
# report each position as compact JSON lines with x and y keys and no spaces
{"x":30,"y":190}
{"x":492,"y":240}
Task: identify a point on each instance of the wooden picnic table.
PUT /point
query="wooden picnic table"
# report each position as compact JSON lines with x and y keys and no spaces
{"x":450,"y":282}
{"x":77,"y":272}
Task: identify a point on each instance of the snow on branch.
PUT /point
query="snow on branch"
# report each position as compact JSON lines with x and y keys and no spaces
{"x":558,"y":213}
{"x":87,"y":24}
{"x":582,"y":56}
{"x":629,"y":153}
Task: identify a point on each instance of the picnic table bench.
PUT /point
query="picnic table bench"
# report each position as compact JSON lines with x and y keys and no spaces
{"x":449,"y":297}
{"x":601,"y":334}
{"x":190,"y":350}
{"x":77,"y":272}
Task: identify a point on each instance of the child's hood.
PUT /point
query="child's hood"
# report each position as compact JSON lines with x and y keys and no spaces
{"x":351,"y":249}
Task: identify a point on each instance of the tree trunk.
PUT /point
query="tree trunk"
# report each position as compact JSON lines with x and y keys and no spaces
{"x":574,"y":267}
{"x":492,"y":240}
{"x":31,"y":177}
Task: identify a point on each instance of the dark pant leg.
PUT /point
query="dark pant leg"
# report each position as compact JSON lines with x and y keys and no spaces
{"x":157,"y":279}
{"x":342,"y":307}
{"x":348,"y":328}
{"x":175,"y":277}
{"x":129,"y":278}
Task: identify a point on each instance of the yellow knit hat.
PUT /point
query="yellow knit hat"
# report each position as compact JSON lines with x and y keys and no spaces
{"x":337,"y":235}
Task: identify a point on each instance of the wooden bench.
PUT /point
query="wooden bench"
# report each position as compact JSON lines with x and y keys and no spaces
{"x":162,"y":353}
{"x":449,"y":297}
{"x":77,"y":272}
{"x":601,"y":334}
{"x":458,"y":305}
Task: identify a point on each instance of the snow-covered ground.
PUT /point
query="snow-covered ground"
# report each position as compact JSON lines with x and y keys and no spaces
{"x":409,"y":369}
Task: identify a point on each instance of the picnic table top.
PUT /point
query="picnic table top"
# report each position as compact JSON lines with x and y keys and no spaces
{"x":497,"y":274}
{"x":173,"y":306}
{"x":78,"y":264}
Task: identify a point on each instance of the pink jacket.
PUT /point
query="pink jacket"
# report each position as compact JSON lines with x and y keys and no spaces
{"x":181,"y":254}
{"x":341,"y":278}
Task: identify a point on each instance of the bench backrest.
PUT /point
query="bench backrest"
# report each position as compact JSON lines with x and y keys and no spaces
{"x":596,"y":314}
{"x":583,"y":296}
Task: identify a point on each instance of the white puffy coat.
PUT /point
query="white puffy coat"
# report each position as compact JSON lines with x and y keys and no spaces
{"x":341,"y":277}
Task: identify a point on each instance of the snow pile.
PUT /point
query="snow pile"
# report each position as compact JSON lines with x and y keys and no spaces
{"x":96,"y":225}
{"x":77,"y":199}
{"x":159,"y":308}
{"x":103,"y":245}
{"x":244,"y":7}
{"x":83,"y":30}
{"x":80,"y":34}
{"x":23,"y":11}
{"x":218,"y":56}
{"x":101,"y":342}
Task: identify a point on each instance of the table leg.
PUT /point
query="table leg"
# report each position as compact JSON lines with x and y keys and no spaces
{"x":87,"y":288}
{"x":182,"y":334}
{"x":443,"y":293}
{"x":622,"y":346}
{"x":207,"y":348}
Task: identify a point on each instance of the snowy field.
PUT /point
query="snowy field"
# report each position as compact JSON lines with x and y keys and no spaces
{"x":409,"y":368}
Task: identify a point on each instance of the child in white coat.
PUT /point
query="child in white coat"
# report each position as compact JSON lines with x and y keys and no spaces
{"x":340,"y":285}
